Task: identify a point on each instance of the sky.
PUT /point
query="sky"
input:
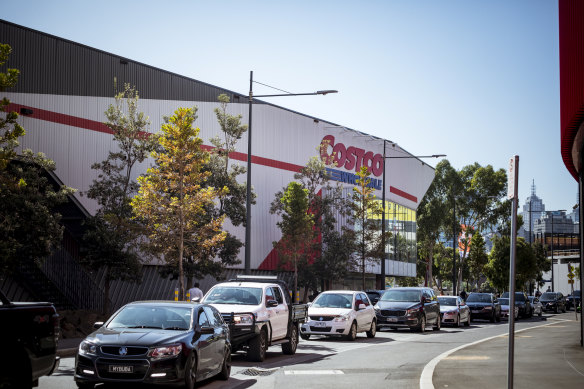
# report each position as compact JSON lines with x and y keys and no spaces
{"x":475,"y":80}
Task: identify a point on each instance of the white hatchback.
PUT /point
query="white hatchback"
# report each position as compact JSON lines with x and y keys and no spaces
{"x":340,"y":313}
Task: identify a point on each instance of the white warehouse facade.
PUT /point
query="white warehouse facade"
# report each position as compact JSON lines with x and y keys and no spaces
{"x":64,"y":89}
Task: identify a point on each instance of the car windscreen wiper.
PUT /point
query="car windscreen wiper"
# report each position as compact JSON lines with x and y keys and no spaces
{"x":153,"y":327}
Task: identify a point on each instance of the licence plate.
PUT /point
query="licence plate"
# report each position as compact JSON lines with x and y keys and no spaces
{"x":120,"y":369}
{"x":320,"y":324}
{"x":392,"y":319}
{"x":476,"y":310}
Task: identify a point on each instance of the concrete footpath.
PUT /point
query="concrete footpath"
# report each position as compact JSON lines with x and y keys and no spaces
{"x":547,"y":356}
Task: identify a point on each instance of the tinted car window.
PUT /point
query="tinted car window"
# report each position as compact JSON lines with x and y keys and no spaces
{"x":278,"y":295}
{"x":365,"y":299}
{"x":203,"y":320}
{"x":478,"y":298}
{"x":270,"y":295}
{"x":211,"y":317}
{"x":401,"y":295}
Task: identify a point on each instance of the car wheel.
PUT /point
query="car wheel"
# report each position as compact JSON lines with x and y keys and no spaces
{"x":290,"y":347}
{"x":85,"y":385}
{"x":457,"y":324}
{"x":422,"y":327}
{"x":257,"y":347}
{"x":191,"y":371}
{"x":540,"y":312}
{"x":467,"y":323}
{"x":352,"y":332}
{"x":373,"y":330}
{"x":304,"y":336}
{"x":498,"y":318}
{"x":226,"y":367}
{"x":556,"y":309}
{"x":438,"y":324}
{"x":492,"y":318}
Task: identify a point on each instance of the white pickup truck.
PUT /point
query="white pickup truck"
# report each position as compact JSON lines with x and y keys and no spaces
{"x":259,"y":313}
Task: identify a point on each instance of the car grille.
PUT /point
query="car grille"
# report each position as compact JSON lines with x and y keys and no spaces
{"x":322,"y":318}
{"x":320,"y":329}
{"x":140,"y":368}
{"x":391,"y":312}
{"x":130,"y":350}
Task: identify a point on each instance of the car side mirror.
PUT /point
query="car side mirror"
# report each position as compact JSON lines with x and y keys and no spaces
{"x":361,"y":306}
{"x":207,"y":330}
{"x":271,"y":303}
{"x":98,"y":324}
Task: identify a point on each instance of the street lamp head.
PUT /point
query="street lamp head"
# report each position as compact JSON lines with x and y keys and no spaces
{"x":325,"y":92}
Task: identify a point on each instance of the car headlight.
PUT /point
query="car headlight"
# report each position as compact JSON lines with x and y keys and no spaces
{"x":165,"y":351}
{"x":413,"y":310}
{"x":243,"y":320}
{"x":87,"y":348}
{"x":341,"y":318}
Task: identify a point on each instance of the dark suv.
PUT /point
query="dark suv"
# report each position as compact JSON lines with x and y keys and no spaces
{"x":522,"y":302}
{"x":413,"y":308}
{"x":484,"y":306}
{"x":553,"y":301}
{"x":573,"y":300}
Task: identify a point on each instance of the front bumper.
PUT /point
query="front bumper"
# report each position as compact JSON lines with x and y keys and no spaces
{"x":449,"y":317}
{"x":327,"y":328}
{"x":481,"y":313}
{"x":410,"y":321}
{"x":100,"y":369}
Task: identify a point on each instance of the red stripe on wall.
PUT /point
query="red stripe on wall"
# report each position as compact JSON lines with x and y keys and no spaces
{"x":93,"y":125}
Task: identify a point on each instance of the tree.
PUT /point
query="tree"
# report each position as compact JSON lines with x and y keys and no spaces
{"x":497,"y":269}
{"x":172,"y":201}
{"x":477,"y":257}
{"x":112,"y":238}
{"x":29,"y":225}
{"x":222,"y":174}
{"x":367,"y":211}
{"x":296,"y":226}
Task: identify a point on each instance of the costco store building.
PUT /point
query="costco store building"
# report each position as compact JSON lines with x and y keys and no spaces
{"x":64,"y":89}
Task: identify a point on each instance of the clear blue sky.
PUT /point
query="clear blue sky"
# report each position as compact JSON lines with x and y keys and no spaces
{"x":476,"y":80}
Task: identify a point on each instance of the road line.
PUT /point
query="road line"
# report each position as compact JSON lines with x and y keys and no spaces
{"x":428,"y":372}
{"x":312,"y":372}
{"x":572,"y":366}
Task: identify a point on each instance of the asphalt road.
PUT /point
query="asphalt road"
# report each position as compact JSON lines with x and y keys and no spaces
{"x":391,"y":359}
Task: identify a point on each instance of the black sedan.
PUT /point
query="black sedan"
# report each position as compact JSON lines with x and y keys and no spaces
{"x":484,"y":306}
{"x":156,"y":342}
{"x":553,"y":301}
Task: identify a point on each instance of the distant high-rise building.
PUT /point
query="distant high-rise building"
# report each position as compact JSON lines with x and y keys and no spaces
{"x":533,"y":209}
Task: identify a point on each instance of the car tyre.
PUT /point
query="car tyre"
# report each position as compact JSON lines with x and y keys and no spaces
{"x":492,"y":318}
{"x":352,"y":335}
{"x":191,"y":371}
{"x":467,"y":323}
{"x":373,"y":330}
{"x":438,"y":324}
{"x":85,"y":385}
{"x":226,"y":367}
{"x":290,"y":347}
{"x":305,"y":336}
{"x":457,"y":324}
{"x":422,"y":327}
{"x":498,"y":318}
{"x":257,"y":347}
{"x":556,"y":309}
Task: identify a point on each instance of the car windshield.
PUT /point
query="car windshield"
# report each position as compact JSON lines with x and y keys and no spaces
{"x":333,"y":300}
{"x":504,"y":301}
{"x":478,"y":298}
{"x":156,"y":317}
{"x":450,"y":301}
{"x":234,"y":295}
{"x":548,"y":296}
{"x":401,"y":296}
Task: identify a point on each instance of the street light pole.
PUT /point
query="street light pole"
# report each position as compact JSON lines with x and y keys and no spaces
{"x":249,"y":157}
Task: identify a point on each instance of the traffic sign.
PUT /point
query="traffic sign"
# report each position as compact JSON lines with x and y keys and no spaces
{"x":571,"y":276}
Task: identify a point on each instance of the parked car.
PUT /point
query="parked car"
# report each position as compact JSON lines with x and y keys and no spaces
{"x":259,"y":313}
{"x":340,"y":313}
{"x":504,"y":301}
{"x":374,"y":295}
{"x":408,"y":307}
{"x":30,"y":334}
{"x":156,"y":342}
{"x":573,"y":300}
{"x":484,"y":306}
{"x":536,"y":305}
{"x":553,"y":301}
{"x":454,"y":310}
{"x":522,"y":302}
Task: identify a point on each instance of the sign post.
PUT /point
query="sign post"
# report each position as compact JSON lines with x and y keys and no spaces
{"x":512,"y":184}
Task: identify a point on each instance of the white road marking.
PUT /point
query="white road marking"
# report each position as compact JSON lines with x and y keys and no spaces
{"x":312,"y":372}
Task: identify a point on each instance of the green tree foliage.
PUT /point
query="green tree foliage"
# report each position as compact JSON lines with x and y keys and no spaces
{"x":172,"y":201}
{"x":297,"y":228}
{"x":223,"y":174}
{"x":112,"y":238}
{"x":29,"y":225}
{"x":477,"y":258}
{"x":330,"y":253}
{"x":367,"y":212}
{"x":497,"y":269}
